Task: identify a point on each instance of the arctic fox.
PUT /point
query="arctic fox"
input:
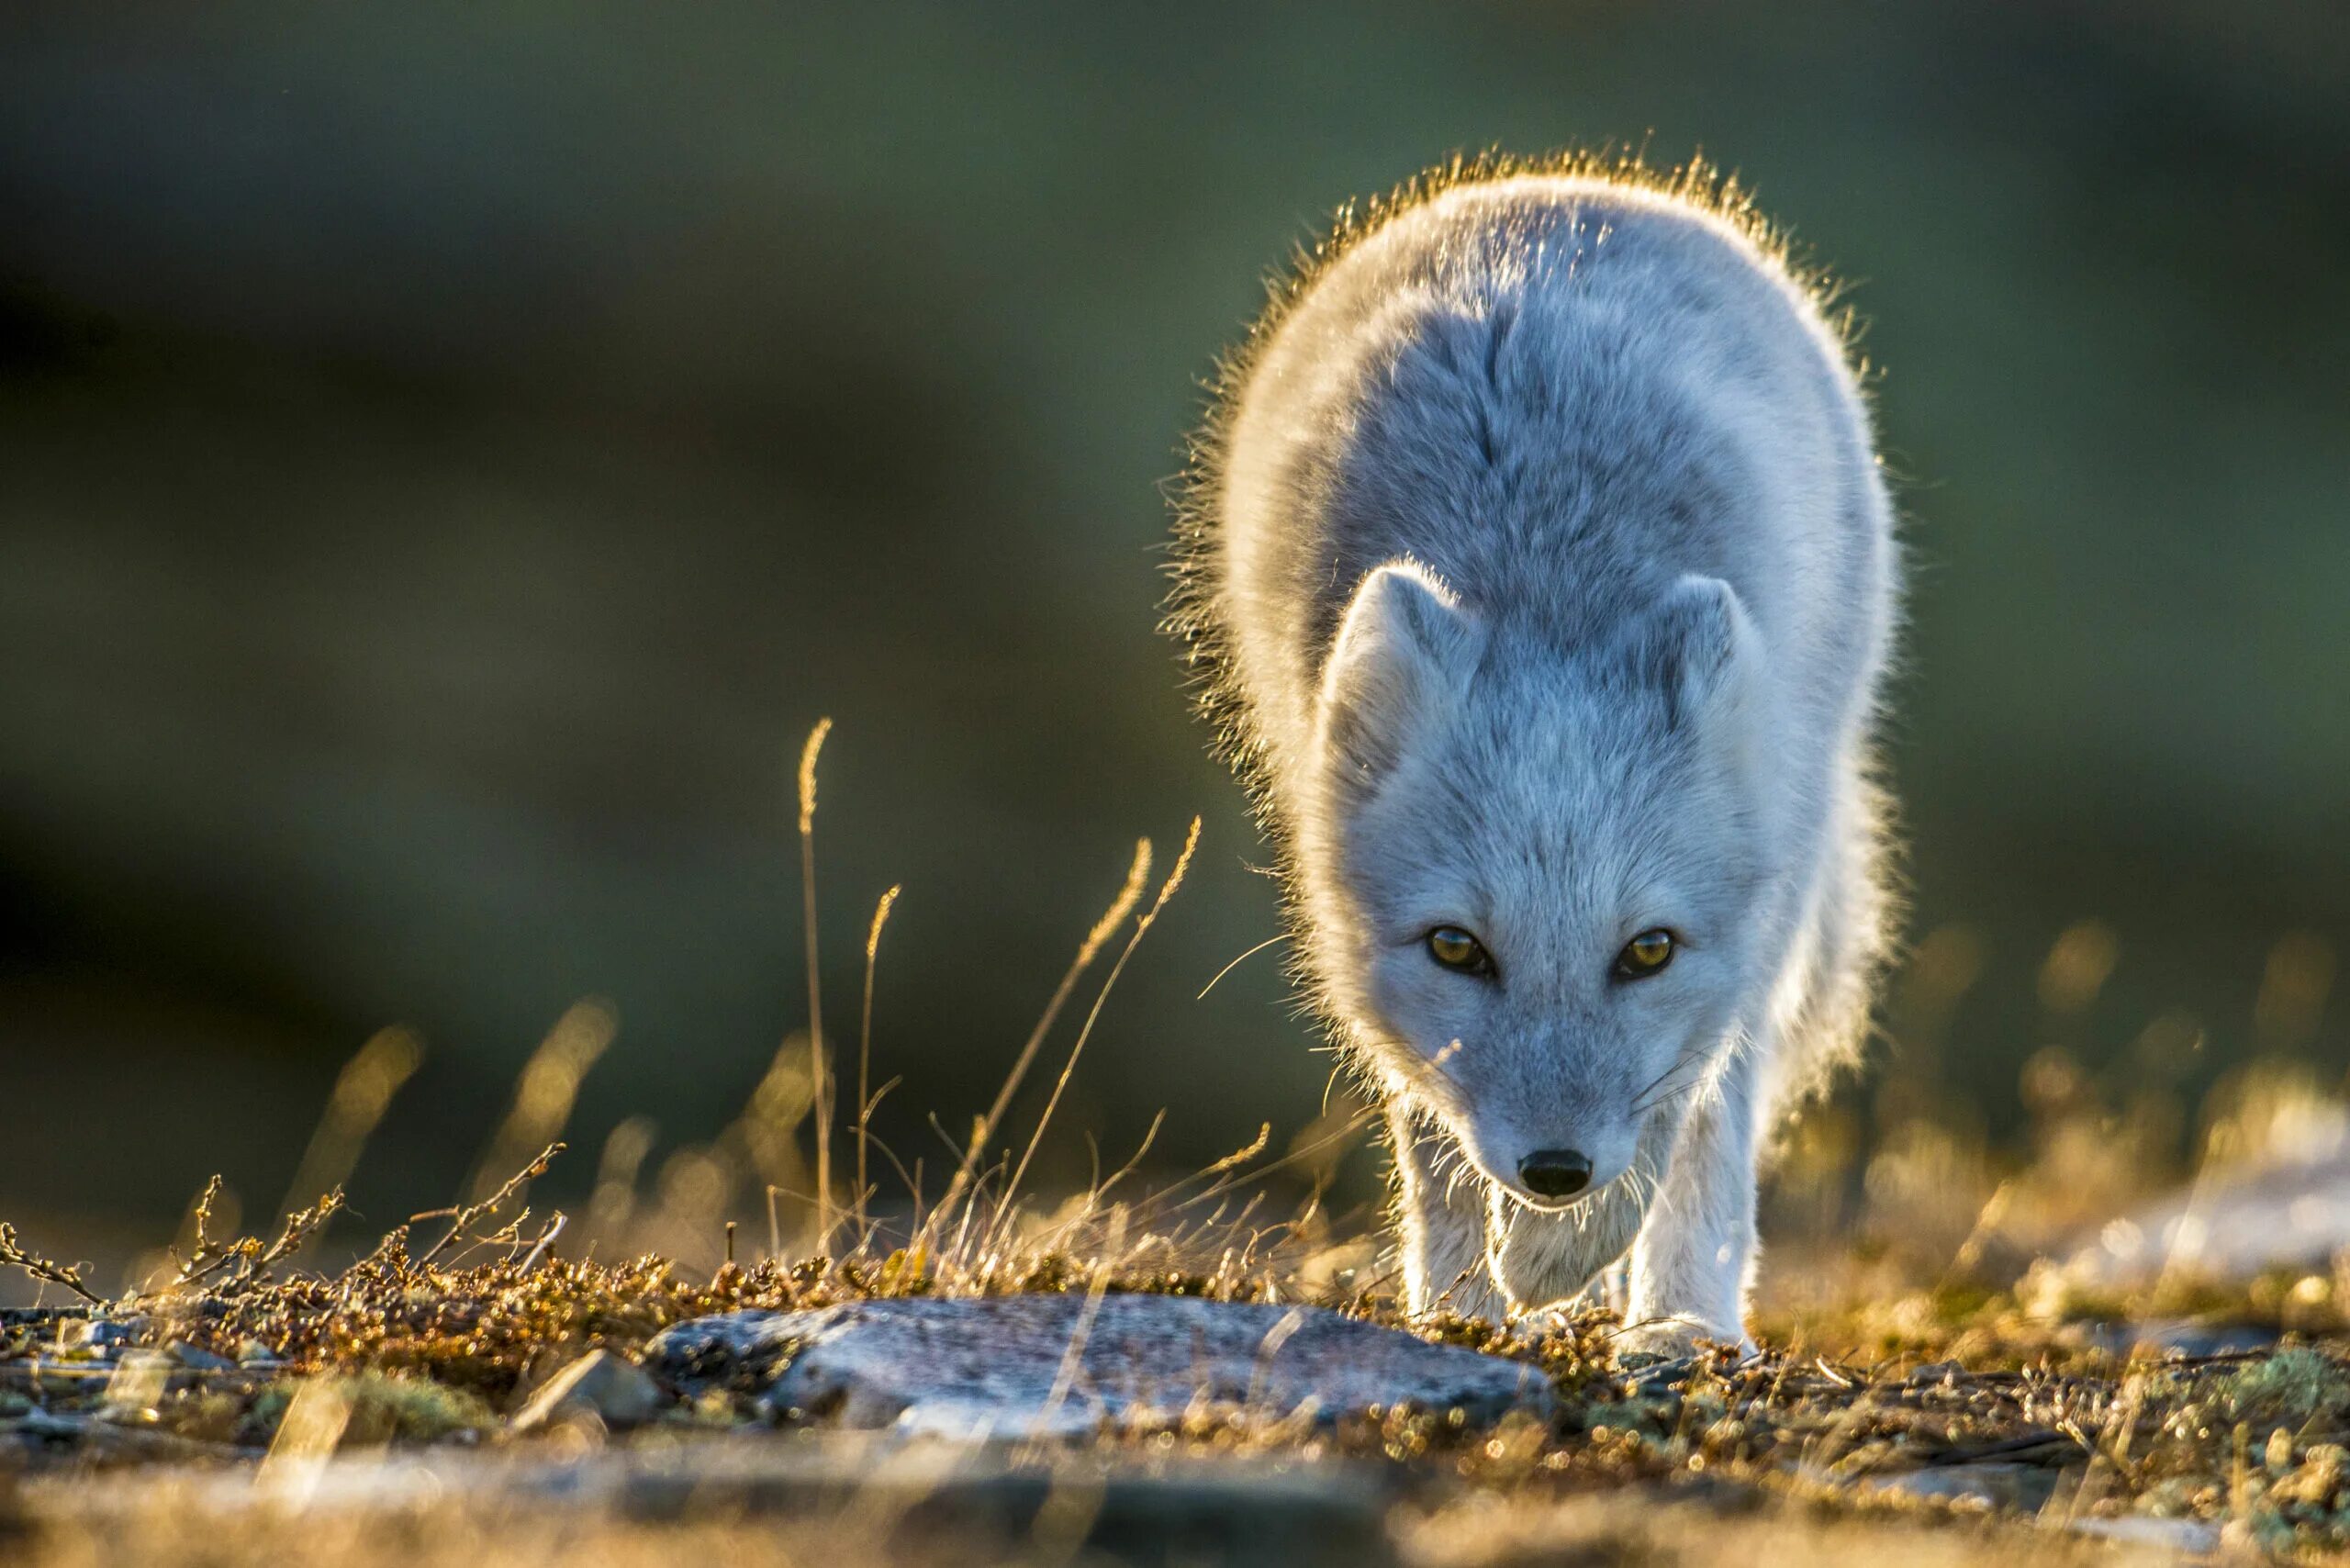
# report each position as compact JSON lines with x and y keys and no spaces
{"x":1539,"y":561}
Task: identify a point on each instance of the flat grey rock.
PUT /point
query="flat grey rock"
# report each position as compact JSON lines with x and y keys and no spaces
{"x":2188,"y":1538}
{"x":2289,"y":1213}
{"x":2178,"y":1337}
{"x":1004,"y":1365}
{"x":2019,"y":1488}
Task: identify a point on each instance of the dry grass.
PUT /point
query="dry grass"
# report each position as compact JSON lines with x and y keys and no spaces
{"x":1932,"y":1335}
{"x":429,"y":1351}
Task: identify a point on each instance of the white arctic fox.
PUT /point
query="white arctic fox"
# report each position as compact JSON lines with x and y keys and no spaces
{"x":1543,"y":573}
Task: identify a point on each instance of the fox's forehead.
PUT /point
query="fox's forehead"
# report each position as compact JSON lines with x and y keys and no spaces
{"x":1544,"y":823}
{"x":1594,"y":856}
{"x":1563,"y":741}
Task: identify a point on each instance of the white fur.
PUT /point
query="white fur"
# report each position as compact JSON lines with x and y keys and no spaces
{"x":1552,"y":572}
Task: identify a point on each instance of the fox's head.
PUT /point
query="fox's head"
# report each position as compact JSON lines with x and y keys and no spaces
{"x":1543,"y":870}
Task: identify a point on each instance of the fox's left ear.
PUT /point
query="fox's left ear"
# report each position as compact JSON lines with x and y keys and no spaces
{"x":1398,"y":657}
{"x":1701,"y":649}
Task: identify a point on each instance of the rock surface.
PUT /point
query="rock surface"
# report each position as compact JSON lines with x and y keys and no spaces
{"x":1037,"y":1364}
{"x":1985,"y":1483}
{"x":2178,"y":1337}
{"x":612,"y":1389}
{"x":2288,"y":1213}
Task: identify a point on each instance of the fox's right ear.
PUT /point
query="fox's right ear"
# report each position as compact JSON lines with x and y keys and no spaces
{"x":1402,"y":645}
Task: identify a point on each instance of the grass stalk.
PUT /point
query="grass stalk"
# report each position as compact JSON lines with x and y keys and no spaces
{"x":1068,"y":1068}
{"x":819,"y":1087}
{"x":1129,"y":894}
{"x":865,"y":1058}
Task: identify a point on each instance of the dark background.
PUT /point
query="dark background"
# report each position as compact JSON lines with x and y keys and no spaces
{"x":449,"y":455}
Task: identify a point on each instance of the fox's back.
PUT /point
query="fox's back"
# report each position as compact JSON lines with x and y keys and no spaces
{"x":1544,"y":577}
{"x":1559,"y":394}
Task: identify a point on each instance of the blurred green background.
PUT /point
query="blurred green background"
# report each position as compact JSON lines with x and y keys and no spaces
{"x":450,"y":454}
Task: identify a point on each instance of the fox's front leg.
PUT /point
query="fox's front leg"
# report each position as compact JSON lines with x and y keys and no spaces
{"x":1694,"y":1261}
{"x":1553,"y":1261}
{"x":1441,"y":1212}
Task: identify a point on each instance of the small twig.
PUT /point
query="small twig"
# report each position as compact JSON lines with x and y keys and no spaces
{"x":472,"y":1212}
{"x":393,"y":1245}
{"x":248,"y":1259}
{"x":201,"y":1260}
{"x":12,"y":1255}
{"x":296,"y":1233}
{"x":510,"y":1234}
{"x":555,"y":1228}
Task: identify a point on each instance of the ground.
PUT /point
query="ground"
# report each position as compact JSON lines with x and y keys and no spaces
{"x":1958,"y":1422}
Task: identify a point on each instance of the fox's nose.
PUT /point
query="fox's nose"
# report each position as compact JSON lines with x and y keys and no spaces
{"x":1555,"y":1173}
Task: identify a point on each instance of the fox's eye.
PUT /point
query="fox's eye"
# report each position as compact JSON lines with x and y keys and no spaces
{"x":1645,"y":955}
{"x":1456,"y":949}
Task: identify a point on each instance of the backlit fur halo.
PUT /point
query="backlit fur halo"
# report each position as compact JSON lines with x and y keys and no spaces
{"x":1189,"y":616}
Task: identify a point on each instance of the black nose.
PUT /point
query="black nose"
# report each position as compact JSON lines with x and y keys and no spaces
{"x":1555,"y":1173}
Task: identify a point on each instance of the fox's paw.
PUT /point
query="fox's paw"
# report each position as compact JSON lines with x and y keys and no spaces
{"x":1674,"y":1338}
{"x":1536,"y":1324}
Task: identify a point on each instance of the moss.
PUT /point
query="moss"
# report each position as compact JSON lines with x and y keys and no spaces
{"x":2294,"y":1384}
{"x":409,"y":1410}
{"x":425,"y":1352}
